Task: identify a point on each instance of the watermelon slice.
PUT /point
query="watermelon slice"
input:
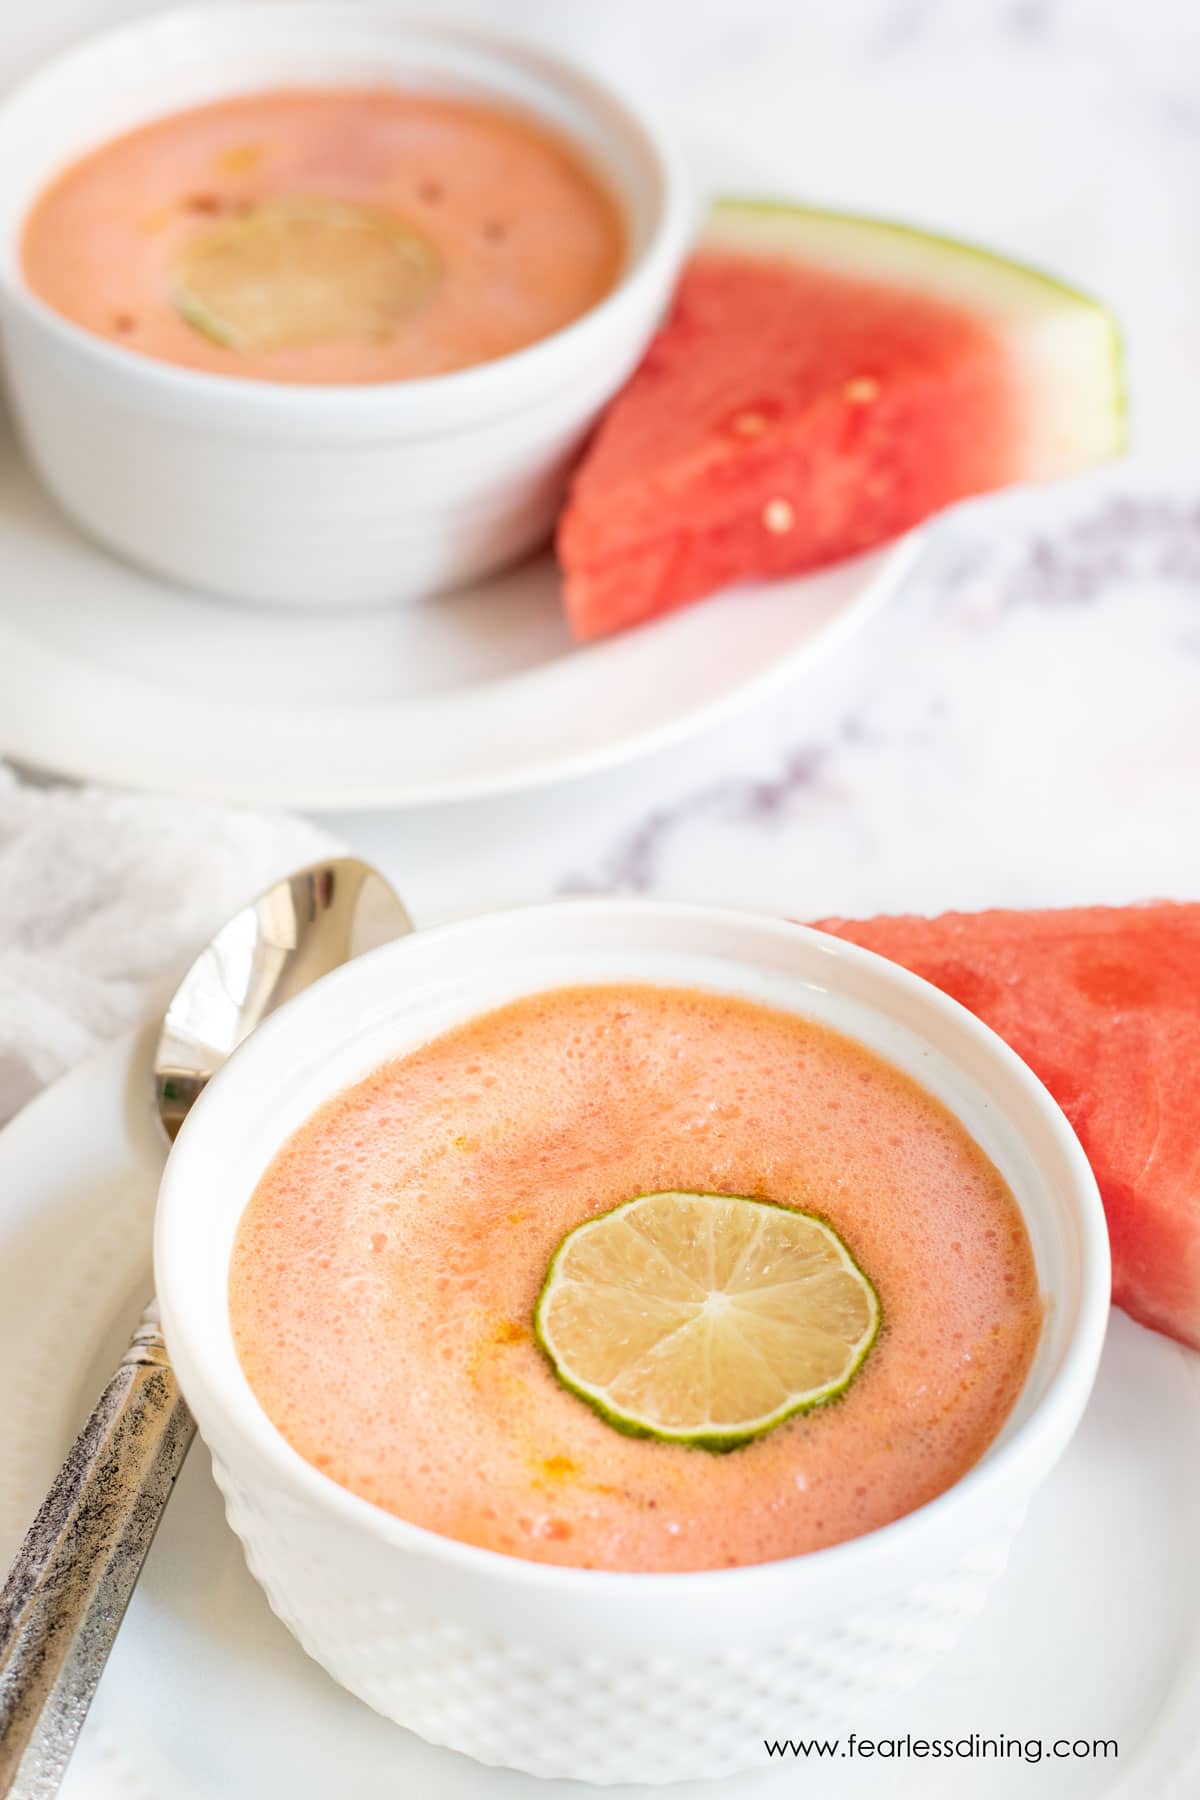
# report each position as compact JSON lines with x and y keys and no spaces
{"x":1103,"y":1003}
{"x":823,"y":383}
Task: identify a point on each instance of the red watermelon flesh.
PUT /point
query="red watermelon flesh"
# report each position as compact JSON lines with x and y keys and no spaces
{"x":821,"y":385}
{"x":1103,"y":1003}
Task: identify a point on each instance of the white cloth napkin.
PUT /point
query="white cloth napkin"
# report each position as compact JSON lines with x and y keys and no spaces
{"x":104,"y":899}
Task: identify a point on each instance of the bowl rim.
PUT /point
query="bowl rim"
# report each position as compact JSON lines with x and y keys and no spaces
{"x":478,"y":388}
{"x":1036,"y":1442}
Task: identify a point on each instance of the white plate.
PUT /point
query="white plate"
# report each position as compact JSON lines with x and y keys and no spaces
{"x":1092,"y":1633}
{"x":112,"y":675}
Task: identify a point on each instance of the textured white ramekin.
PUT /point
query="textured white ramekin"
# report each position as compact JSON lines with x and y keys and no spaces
{"x":318,"y":496}
{"x":572,"y":1672}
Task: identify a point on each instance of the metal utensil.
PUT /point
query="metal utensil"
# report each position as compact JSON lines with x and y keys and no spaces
{"x":65,"y":1595}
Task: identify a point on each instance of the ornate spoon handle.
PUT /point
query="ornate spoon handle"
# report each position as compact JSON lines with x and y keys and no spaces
{"x":66,"y":1593}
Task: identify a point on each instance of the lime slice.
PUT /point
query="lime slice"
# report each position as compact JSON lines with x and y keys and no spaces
{"x":705,"y":1319}
{"x":290,"y":273}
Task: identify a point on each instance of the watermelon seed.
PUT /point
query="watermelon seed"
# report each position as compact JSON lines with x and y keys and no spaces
{"x":778,"y":516}
{"x":861,"y":391}
{"x":749,"y":424}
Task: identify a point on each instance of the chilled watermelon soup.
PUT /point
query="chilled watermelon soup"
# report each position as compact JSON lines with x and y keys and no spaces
{"x":327,"y":236}
{"x":389,"y":1277}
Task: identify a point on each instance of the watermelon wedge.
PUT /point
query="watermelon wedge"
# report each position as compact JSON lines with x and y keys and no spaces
{"x":1103,"y":1003}
{"x":823,"y":383}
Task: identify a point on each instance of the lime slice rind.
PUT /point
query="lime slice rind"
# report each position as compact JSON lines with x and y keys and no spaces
{"x":202,"y":320}
{"x":652,"y":1340}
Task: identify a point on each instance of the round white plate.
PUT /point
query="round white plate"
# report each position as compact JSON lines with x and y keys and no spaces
{"x":113,"y":675}
{"x":1091,"y":1634}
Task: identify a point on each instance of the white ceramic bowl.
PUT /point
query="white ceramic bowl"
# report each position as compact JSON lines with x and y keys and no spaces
{"x":572,"y":1672}
{"x":310,"y":496}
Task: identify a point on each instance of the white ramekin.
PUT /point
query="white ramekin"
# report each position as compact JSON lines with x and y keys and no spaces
{"x":571,"y":1672}
{"x":319,"y":496}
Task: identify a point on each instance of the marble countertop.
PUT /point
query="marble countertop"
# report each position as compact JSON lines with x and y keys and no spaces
{"x":1022,"y":725}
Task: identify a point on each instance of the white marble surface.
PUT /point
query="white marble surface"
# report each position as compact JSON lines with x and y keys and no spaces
{"x":1023,"y":725}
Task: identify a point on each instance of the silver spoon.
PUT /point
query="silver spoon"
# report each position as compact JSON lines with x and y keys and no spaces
{"x":65,"y":1595}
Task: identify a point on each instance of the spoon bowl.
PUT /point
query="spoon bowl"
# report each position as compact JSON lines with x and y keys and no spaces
{"x":300,"y":929}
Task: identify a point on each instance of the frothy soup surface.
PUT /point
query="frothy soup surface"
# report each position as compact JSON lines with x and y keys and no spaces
{"x":327,"y":235}
{"x":386,"y":1270}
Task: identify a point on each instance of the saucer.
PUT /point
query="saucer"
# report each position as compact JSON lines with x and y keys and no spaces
{"x":1092,"y":1633}
{"x":110,"y":674}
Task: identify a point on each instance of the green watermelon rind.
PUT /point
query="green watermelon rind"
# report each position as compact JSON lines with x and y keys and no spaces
{"x":795,"y":216}
{"x":1082,"y":398}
